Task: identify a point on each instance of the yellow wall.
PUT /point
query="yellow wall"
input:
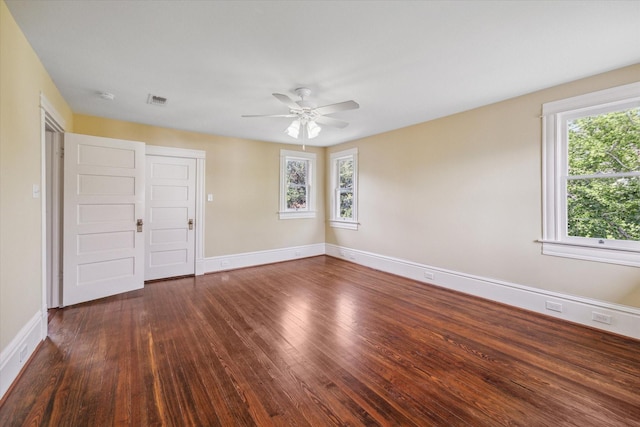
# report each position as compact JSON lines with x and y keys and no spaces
{"x":242,"y":175}
{"x":464,"y":193}
{"x":22,"y":78}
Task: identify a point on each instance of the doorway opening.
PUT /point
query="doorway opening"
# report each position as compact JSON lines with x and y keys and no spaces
{"x":53,"y":173}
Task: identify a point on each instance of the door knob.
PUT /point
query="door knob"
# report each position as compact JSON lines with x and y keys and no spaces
{"x":190,"y":224}
{"x":139,"y":225}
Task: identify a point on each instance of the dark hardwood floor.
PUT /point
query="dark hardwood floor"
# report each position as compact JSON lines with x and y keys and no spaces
{"x":320,"y":342}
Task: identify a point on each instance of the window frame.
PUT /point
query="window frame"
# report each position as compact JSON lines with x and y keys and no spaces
{"x":309,"y":212}
{"x":335,"y":220}
{"x":555,"y":115}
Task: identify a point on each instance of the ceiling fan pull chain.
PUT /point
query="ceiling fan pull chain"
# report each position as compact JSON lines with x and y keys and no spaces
{"x":304,"y":136}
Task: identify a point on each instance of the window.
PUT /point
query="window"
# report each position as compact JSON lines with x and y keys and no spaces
{"x":591,"y":176}
{"x":297,"y":190}
{"x":344,"y":182}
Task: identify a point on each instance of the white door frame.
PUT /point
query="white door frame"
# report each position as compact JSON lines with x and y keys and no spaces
{"x":49,"y":117}
{"x":199,"y":156}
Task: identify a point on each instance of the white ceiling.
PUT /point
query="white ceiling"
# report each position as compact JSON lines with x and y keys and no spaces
{"x":404,"y":62}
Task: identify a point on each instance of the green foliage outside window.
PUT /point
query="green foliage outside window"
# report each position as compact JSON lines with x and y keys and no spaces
{"x":598,"y":205}
{"x":345,"y":188}
{"x":297,"y":184}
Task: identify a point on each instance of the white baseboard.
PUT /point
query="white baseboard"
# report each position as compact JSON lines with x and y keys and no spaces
{"x":200,"y":266}
{"x":250,"y":259}
{"x":624,"y":320}
{"x":19,"y":350}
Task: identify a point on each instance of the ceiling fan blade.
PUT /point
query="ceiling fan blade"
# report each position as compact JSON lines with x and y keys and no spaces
{"x":286,"y":101}
{"x":334,"y":108}
{"x":330,"y":121}
{"x":269,"y":115}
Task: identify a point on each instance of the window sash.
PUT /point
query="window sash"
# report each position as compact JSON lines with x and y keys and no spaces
{"x":339,"y":205}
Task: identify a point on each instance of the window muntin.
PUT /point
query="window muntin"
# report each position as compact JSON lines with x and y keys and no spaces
{"x":344,"y":166}
{"x":297,"y":192}
{"x":591,"y":176}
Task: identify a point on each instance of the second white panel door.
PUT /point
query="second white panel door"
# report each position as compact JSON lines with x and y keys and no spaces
{"x":170,"y":213}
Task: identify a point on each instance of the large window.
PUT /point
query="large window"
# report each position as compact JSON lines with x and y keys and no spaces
{"x":297,"y":188}
{"x":592,"y":176}
{"x":344,"y":183}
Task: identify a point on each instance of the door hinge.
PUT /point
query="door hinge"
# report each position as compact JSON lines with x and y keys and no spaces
{"x":62,"y":152}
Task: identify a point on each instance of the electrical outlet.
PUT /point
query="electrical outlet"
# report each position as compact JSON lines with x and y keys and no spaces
{"x":601,"y":317}
{"x":429,"y":275}
{"x":297,"y":253}
{"x":225,"y":263}
{"x":554,"y":306}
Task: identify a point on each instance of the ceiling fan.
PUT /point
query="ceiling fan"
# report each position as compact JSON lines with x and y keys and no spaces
{"x":307,"y":117}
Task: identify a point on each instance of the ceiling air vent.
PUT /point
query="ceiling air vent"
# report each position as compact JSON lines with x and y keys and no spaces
{"x":156,"y":100}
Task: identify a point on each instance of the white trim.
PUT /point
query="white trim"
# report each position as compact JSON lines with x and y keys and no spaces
{"x":604,"y":96}
{"x":624,"y":320}
{"x":200,"y":200}
{"x":297,"y":214}
{"x":592,"y":253}
{"x":157,"y":150}
{"x":48,"y":116}
{"x":200,"y":157}
{"x":26,"y":341}
{"x":250,"y":259}
{"x":349,"y":225}
{"x":43,"y":215}
{"x":53,"y":113}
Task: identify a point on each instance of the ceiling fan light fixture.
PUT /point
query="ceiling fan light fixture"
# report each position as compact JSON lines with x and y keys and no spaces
{"x":313,"y":129}
{"x":294,"y":129}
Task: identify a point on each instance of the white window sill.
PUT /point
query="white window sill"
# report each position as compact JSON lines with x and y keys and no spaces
{"x":350,"y":225}
{"x":611,"y":255}
{"x":297,"y":214}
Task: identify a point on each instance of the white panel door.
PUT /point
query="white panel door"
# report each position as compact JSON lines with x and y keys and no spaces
{"x":103,"y":200}
{"x":170,"y":211}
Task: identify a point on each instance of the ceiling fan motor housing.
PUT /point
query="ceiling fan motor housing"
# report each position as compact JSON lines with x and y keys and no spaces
{"x":303,"y":93}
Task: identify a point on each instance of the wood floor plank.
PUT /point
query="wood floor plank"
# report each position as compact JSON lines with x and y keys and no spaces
{"x":320,"y":342}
